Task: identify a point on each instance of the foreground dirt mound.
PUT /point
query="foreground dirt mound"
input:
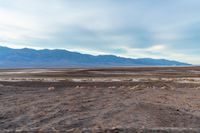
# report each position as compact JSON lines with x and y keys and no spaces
{"x":131,"y":103}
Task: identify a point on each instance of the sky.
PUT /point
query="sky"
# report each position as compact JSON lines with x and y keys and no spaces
{"x":168,"y":29}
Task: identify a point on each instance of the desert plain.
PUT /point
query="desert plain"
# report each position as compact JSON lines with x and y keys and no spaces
{"x":131,"y":99}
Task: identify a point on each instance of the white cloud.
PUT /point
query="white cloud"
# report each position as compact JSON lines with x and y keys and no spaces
{"x":157,"y":48}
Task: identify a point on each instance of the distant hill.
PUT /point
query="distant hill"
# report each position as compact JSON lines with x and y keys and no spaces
{"x":30,"y":58}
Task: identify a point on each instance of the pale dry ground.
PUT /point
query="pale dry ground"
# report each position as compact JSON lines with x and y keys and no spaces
{"x":100,"y":100}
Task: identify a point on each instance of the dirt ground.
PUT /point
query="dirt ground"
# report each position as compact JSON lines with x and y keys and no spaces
{"x":146,"y":99}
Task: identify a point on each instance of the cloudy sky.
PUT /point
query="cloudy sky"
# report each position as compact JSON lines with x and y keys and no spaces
{"x":167,"y":29}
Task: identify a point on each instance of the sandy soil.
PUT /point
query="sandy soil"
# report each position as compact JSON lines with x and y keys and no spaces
{"x":100,"y":100}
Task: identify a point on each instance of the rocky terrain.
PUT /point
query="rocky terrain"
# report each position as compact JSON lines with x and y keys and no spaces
{"x":146,"y":99}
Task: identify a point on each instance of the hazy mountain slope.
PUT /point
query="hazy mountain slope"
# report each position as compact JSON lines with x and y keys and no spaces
{"x":19,"y":58}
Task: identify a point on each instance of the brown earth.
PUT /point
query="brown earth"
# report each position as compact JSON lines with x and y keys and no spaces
{"x":148,"y":99}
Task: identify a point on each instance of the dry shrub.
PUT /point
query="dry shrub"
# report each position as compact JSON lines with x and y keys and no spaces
{"x":138,"y":87}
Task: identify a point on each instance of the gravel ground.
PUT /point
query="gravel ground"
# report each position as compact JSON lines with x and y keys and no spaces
{"x":100,"y":100}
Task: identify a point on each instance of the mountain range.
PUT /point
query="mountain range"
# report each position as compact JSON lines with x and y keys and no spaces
{"x":57,"y":58}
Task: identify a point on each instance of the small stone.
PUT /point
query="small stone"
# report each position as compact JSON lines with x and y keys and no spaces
{"x":77,"y":86}
{"x":51,"y":88}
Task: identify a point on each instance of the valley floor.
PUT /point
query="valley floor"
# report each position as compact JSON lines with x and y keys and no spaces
{"x":148,"y":99}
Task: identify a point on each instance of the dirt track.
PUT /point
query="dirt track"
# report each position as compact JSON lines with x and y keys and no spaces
{"x":107,"y":100}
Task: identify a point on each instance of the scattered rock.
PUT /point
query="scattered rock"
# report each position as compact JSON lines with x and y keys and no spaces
{"x":51,"y":88}
{"x":112,"y":87}
{"x":163,"y":87}
{"x":167,"y":87}
{"x":77,"y":86}
{"x":81,"y":87}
